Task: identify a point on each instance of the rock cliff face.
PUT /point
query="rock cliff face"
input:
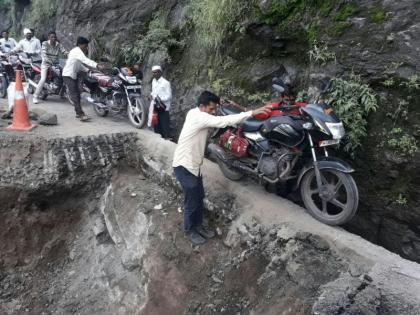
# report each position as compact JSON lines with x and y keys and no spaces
{"x":379,"y":40}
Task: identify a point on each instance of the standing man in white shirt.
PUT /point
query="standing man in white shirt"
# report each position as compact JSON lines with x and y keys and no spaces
{"x":29,"y":44}
{"x":189,"y":155}
{"x":161,"y":97}
{"x":76,"y":63}
{"x":6,"y":43}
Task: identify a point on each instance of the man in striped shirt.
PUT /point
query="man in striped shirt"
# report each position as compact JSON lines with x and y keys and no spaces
{"x":50,"y":52}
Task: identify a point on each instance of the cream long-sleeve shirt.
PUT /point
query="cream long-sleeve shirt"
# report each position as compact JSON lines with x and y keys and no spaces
{"x":75,"y":63}
{"x":189,"y":152}
{"x":32,"y":46}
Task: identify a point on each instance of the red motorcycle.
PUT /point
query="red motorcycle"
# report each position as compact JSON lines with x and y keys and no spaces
{"x":54,"y":84}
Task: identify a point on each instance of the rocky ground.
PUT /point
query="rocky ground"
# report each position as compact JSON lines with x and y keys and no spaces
{"x":92,"y":225}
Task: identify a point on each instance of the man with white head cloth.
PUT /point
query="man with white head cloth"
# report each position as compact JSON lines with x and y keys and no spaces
{"x":29,"y":44}
{"x":161,"y":97}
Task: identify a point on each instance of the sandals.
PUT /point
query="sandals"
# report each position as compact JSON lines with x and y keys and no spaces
{"x":83,"y":118}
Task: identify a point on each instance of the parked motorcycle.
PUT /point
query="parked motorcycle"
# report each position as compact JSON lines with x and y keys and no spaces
{"x":53,"y":85}
{"x":291,"y":151}
{"x":25,"y":63}
{"x":117,"y":93}
{"x":8,"y":64}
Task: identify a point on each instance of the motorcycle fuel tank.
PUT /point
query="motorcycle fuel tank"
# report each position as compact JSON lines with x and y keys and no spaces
{"x":283,"y":130}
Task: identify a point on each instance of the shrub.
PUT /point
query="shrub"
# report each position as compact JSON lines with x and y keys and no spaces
{"x":41,"y":10}
{"x":215,"y":20}
{"x":353,"y":101}
{"x":158,"y":37}
{"x":377,"y":15}
{"x":320,"y":53}
{"x":413,"y":83}
{"x":347,"y":11}
{"x":402,"y":143}
{"x":5,"y":4}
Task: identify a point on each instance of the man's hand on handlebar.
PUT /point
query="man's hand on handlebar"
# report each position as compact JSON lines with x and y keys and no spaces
{"x":261,"y":110}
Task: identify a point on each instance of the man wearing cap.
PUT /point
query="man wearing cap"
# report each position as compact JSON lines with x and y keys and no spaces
{"x":75,"y":64}
{"x":7,"y":43}
{"x":51,"y":49}
{"x":161,"y":95}
{"x":29,"y":44}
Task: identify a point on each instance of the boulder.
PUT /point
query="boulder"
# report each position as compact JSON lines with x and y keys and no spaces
{"x":48,"y":119}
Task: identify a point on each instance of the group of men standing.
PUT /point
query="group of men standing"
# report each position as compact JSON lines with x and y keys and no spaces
{"x":77,"y":63}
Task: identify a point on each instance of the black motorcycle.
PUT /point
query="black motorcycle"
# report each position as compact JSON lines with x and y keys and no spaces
{"x":8,"y":64}
{"x":291,"y":152}
{"x":117,"y":93}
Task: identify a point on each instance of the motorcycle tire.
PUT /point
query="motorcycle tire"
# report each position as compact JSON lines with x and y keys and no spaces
{"x":138,"y":117}
{"x":3,"y":87}
{"x":228,"y":171}
{"x":333,"y":211}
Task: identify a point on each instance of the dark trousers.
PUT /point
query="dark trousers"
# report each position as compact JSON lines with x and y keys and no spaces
{"x":194,"y":194}
{"x":74,"y":94}
{"x":162,"y":126}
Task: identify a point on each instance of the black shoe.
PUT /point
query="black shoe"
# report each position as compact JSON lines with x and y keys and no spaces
{"x":205,"y":232}
{"x":7,"y":115}
{"x":195,"y":238}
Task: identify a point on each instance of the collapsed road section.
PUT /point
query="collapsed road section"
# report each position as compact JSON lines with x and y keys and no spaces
{"x":93,"y":225}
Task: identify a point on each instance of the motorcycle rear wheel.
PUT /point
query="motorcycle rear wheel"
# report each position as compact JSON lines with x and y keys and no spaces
{"x":138,"y":117}
{"x":3,"y":87}
{"x":228,"y":171}
{"x":340,"y":207}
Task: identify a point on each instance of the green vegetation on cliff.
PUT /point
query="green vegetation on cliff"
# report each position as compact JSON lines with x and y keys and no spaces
{"x":157,"y":37}
{"x":353,"y":101}
{"x":41,"y":11}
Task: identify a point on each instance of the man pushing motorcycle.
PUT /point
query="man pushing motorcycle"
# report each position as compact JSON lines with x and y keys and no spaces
{"x":189,"y":155}
{"x":75,"y":64}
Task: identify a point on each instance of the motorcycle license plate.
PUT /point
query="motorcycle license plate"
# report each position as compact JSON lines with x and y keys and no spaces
{"x":328,"y":142}
{"x":133,"y":87}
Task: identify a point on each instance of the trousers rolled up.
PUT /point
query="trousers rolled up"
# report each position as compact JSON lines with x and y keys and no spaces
{"x":74,"y":94}
{"x":40,"y":86}
{"x":193,"y":189}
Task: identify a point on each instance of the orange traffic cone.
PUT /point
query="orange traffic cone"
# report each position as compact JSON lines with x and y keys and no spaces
{"x":21,"y":120}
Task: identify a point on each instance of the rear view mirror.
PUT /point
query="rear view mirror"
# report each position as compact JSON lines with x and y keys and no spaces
{"x":278,"y":88}
{"x":277,"y":81}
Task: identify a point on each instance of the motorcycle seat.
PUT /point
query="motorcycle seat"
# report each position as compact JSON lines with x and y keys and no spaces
{"x":228,"y":110}
{"x":251,"y":125}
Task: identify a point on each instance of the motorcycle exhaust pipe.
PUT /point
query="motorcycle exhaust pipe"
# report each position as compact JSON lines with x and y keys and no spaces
{"x":217,"y":152}
{"x":92,"y":101}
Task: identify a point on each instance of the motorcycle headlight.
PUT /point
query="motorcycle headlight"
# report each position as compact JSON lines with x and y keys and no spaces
{"x":131,"y":80}
{"x":336,"y":129}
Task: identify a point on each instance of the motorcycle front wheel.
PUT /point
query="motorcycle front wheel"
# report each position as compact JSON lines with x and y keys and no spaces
{"x":341,"y":197}
{"x":3,"y":87}
{"x":138,"y":113}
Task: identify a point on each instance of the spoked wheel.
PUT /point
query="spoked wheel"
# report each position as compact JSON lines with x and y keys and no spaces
{"x":3,"y":87}
{"x":138,"y":113}
{"x":337,"y":201}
